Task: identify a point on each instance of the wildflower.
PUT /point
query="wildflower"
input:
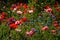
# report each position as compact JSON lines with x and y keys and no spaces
{"x":13,"y":26}
{"x":24,"y":19}
{"x":49,"y":10}
{"x":32,"y":32}
{"x":45,"y":28}
{"x":21,"y":22}
{"x":53,"y":31}
{"x":17,"y":22}
{"x":19,"y":12}
{"x":55,"y":23}
{"x":30,"y":11}
{"x":28,"y":34}
{"x":25,"y":6}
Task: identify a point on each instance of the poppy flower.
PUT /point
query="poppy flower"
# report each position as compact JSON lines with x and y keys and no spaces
{"x":45,"y":28}
{"x":21,"y":22}
{"x":24,"y":19}
{"x":13,"y":26}
{"x":25,"y":6}
{"x":17,"y":22}
{"x":28,"y":34}
{"x":32,"y":32}
{"x":55,"y":23}
{"x":3,"y":17}
{"x":49,"y":10}
{"x":3,"y":13}
{"x":53,"y":31}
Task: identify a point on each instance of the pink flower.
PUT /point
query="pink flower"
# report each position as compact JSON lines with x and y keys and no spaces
{"x":28,"y":34}
{"x":21,"y":22}
{"x":49,"y":10}
{"x":17,"y":22}
{"x":19,"y":12}
{"x":45,"y":28}
{"x":53,"y":31}
{"x":55,"y":23}
{"x":32,"y":32}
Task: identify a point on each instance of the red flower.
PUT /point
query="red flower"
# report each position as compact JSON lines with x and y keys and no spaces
{"x":55,"y":23}
{"x":24,"y":19}
{"x":28,"y":34}
{"x":45,"y":28}
{"x":49,"y":10}
{"x":25,"y":11}
{"x":20,"y":22}
{"x":25,"y":6}
{"x":3,"y":17}
{"x":53,"y":31}
{"x":32,"y":32}
{"x":14,"y":26}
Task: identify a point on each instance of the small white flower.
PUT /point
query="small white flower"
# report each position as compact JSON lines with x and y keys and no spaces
{"x":19,"y":12}
{"x":14,"y":9}
{"x":30,"y":11}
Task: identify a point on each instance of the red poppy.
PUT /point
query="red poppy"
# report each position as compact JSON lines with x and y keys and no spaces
{"x":25,"y":11}
{"x":14,"y":26}
{"x":53,"y":31}
{"x":55,"y":23}
{"x":3,"y":17}
{"x":45,"y":28}
{"x":32,"y":32}
{"x":24,"y":19}
{"x":25,"y":6}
